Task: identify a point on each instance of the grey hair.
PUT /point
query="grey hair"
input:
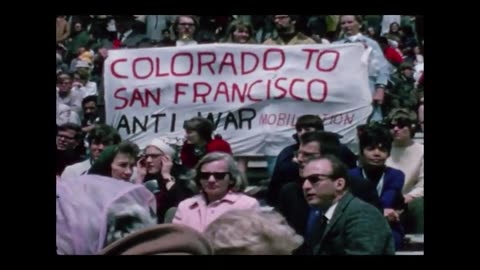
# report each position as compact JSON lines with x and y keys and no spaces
{"x":240,"y":182}
{"x":252,"y":232}
{"x":126,"y":218}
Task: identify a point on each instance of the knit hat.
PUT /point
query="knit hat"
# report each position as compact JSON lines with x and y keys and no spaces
{"x":402,"y":113}
{"x":163,"y":239}
{"x":82,"y":64}
{"x":162,"y":146}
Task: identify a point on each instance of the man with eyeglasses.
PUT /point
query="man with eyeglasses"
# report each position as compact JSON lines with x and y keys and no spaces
{"x":185,"y":27}
{"x":348,"y":225}
{"x":98,"y":139}
{"x":287,"y":32}
{"x":286,"y":170}
{"x":291,"y":202}
{"x":68,"y":138}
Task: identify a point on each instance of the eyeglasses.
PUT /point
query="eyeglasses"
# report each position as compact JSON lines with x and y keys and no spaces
{"x":314,"y":178}
{"x":153,"y":156}
{"x":217,"y":175}
{"x":401,"y":123}
{"x":65,"y":137}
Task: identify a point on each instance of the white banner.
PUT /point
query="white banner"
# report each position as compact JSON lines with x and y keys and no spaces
{"x":253,"y":93}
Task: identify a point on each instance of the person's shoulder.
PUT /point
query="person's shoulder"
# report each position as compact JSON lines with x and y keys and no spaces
{"x":393,"y":171}
{"x":245,"y":199}
{"x":289,"y":150}
{"x":80,"y":164}
{"x":357,"y":205}
{"x":187,"y":203}
{"x":218,"y":144}
{"x":302,"y":36}
{"x":269,"y":41}
{"x":418,"y":147}
{"x":355,"y":173}
{"x":338,"y":41}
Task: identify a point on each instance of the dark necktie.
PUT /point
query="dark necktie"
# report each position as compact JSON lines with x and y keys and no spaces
{"x":317,"y":231}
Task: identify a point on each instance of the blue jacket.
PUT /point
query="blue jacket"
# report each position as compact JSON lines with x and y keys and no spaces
{"x":390,"y":197}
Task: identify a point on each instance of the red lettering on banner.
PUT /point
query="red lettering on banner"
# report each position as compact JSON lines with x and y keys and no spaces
{"x":291,"y":89}
{"x":196,"y":92}
{"x":250,"y":91}
{"x":281,"y":119}
{"x":149,"y":95}
{"x":134,"y":67}
{"x":222,"y":89}
{"x":137,"y":96}
{"x":178,"y":92}
{"x":265,"y":59}
{"x":230,"y":63}
{"x":236,"y":89}
{"x":280,"y":88}
{"x":116,"y":95}
{"x":309,"y":90}
{"x":348,"y":120}
{"x":112,"y":68}
{"x":243,"y":68}
{"x":310,"y":54}
{"x":334,"y":65}
{"x":172,"y":64}
{"x":157,"y":69}
{"x":201,"y":62}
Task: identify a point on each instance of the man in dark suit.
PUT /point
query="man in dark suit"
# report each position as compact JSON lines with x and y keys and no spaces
{"x":286,"y":170}
{"x":291,"y":202}
{"x":348,"y":225}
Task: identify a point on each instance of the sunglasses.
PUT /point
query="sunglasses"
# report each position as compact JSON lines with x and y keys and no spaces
{"x":216,"y":175}
{"x":401,"y":123}
{"x":314,"y":178}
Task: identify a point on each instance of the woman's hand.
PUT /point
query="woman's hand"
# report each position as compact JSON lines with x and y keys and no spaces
{"x":141,"y":170}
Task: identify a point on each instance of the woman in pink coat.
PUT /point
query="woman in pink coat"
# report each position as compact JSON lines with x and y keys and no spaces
{"x":221,"y":185}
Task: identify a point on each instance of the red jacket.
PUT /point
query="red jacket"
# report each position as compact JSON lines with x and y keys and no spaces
{"x":393,"y":56}
{"x":188,"y":157}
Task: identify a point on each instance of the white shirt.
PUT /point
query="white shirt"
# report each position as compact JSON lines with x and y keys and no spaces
{"x":354,"y":37}
{"x":73,"y":100}
{"x":90,"y":89}
{"x":410,"y":161}
{"x":66,"y":115}
{"x":179,"y":43}
{"x":76,"y":169}
{"x":125,"y":35}
{"x":330,"y":211}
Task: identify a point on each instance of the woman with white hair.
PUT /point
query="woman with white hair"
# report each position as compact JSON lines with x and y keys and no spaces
{"x":155,"y":169}
{"x":252,"y":232}
{"x":221,"y":188}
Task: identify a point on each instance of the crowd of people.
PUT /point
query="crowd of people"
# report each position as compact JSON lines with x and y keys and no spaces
{"x":321,"y":198}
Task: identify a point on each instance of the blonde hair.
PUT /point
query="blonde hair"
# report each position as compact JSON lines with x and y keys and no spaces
{"x":240,"y":182}
{"x":237,"y":24}
{"x":252,"y":232}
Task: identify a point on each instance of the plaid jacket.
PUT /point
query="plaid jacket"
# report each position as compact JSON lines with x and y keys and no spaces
{"x":356,"y":228}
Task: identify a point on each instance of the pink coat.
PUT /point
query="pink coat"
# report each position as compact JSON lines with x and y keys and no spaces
{"x":195,"y":213}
